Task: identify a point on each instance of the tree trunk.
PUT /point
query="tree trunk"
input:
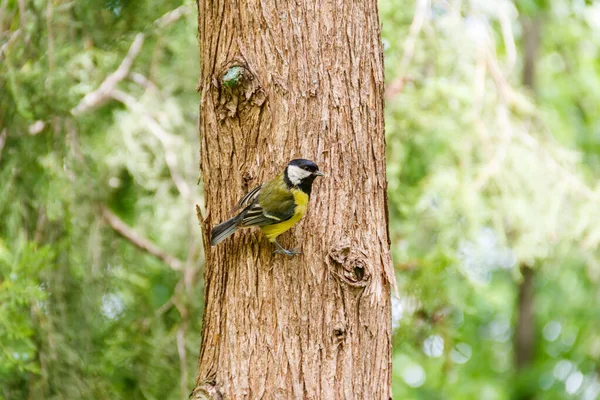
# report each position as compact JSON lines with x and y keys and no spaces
{"x":282,"y":80}
{"x":524,"y":336}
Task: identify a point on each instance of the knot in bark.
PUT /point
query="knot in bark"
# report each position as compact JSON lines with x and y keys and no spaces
{"x":339,"y":332}
{"x":206,"y":391}
{"x":246,"y":179}
{"x":238,"y":89}
{"x":350,"y":265}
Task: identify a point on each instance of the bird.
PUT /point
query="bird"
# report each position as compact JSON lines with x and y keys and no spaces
{"x":274,"y":206}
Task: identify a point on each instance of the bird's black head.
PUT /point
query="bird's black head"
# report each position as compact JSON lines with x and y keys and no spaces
{"x":301,"y":173}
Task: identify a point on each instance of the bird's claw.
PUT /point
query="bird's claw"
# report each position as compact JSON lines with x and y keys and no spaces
{"x":290,"y":253}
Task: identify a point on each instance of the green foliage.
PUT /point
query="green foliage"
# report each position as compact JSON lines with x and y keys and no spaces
{"x":485,"y":177}
{"x":83,"y":312}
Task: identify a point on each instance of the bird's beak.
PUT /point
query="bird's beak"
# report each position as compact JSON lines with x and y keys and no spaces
{"x":319,"y":173}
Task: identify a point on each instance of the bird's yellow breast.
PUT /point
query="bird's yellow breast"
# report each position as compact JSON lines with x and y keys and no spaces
{"x":301,"y":200}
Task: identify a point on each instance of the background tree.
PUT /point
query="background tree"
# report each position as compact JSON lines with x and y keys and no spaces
{"x":282,"y":81}
{"x":483,"y":177}
{"x":99,"y":252}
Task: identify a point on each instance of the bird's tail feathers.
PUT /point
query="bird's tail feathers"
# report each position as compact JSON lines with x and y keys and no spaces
{"x":224,"y":230}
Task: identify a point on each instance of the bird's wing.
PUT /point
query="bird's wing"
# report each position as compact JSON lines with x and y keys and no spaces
{"x":274,"y":204}
{"x":248,"y":198}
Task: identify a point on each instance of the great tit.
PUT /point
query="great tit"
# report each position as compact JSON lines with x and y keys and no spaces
{"x":274,"y":206}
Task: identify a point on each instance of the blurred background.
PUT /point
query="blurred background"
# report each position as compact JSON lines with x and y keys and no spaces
{"x":493,"y":133}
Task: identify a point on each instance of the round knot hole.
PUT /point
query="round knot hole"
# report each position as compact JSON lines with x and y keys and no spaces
{"x":350,"y":265}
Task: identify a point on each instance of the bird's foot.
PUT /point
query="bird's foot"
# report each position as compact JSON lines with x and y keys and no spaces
{"x":281,"y":250}
{"x":291,"y":252}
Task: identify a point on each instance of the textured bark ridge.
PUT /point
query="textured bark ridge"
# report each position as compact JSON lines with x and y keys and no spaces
{"x":281,"y":80}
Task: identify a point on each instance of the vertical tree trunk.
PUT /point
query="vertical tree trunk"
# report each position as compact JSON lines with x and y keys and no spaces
{"x":280,"y":80}
{"x":524,"y":336}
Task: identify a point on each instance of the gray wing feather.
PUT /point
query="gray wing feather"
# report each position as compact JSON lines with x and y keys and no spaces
{"x":255,"y":215}
{"x":248,"y":198}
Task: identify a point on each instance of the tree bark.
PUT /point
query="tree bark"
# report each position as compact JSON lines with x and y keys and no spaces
{"x":282,"y":80}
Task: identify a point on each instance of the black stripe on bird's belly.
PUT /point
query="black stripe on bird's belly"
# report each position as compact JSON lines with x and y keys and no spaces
{"x":305,"y":185}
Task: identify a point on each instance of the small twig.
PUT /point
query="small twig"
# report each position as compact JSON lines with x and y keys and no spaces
{"x":23,"y":14}
{"x":3,"y":136}
{"x":2,"y":11}
{"x":39,"y":226}
{"x":138,"y":241}
{"x":103,"y":93}
{"x":203,"y":224}
{"x":173,"y":301}
{"x":172,"y":16}
{"x":181,"y":352}
{"x":165,"y":307}
{"x":413,"y":34}
{"x":50,"y":34}
{"x":505,"y":91}
{"x":396,"y":86}
{"x":8,"y":43}
{"x":143,"y":82}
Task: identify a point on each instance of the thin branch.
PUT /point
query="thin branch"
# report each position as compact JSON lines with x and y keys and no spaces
{"x":103,"y":93}
{"x":172,"y":16}
{"x":413,"y":34}
{"x":506,"y":92}
{"x":409,"y":48}
{"x":138,"y":241}
{"x":23,"y":14}
{"x":39,"y":226}
{"x":3,"y":7}
{"x":173,"y":301}
{"x":3,"y":136}
{"x":8,"y":43}
{"x":144,"y":82}
{"x":181,"y":352}
{"x":108,"y":90}
{"x":50,"y":34}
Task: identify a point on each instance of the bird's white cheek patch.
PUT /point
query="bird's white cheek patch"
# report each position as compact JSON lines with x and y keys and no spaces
{"x":296,"y":174}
